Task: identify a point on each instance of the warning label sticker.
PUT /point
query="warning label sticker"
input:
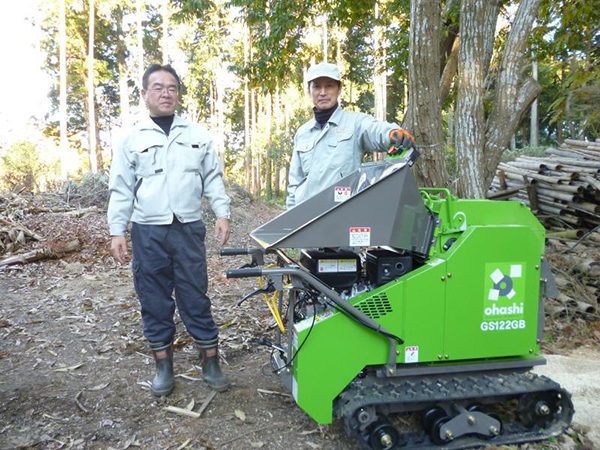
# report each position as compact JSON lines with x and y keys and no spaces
{"x":347,"y":265}
{"x":411,"y":354}
{"x":341,"y":194}
{"x":336,"y":265}
{"x":328,"y":265}
{"x":360,"y":236}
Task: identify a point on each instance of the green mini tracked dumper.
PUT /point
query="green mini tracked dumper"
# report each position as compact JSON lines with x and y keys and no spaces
{"x":407,"y":301}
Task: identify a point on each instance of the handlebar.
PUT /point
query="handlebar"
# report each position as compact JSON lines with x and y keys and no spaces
{"x":231,"y":251}
{"x":245,"y":273}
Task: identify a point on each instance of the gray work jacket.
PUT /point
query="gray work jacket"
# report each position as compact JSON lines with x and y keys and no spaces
{"x":324,"y":155}
{"x":155,"y":176}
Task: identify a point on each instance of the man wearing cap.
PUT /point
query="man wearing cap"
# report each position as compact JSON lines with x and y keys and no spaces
{"x":331,"y":145}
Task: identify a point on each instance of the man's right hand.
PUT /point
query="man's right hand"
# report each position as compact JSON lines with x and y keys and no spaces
{"x":118,"y":247}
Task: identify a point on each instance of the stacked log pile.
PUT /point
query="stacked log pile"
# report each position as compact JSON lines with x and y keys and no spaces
{"x":561,"y":188}
{"x":19,"y":244}
{"x":576,"y":267}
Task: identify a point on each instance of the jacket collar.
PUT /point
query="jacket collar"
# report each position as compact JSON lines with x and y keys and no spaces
{"x":335,"y":118}
{"x":148,"y":124}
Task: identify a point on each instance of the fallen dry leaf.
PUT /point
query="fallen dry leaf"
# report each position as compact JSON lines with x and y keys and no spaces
{"x":240,"y":415}
{"x":69,"y":369}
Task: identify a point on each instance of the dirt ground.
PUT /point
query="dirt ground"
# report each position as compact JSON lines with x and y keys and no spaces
{"x":74,"y":363}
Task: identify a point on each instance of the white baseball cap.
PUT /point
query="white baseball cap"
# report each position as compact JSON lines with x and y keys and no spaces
{"x":327,"y":70}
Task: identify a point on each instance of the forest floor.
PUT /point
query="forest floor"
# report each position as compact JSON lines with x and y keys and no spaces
{"x":74,"y":365}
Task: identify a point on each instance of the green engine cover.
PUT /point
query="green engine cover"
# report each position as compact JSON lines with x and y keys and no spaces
{"x":475,"y":300}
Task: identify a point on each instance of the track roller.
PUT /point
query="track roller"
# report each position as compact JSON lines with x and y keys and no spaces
{"x":383,"y":435}
{"x":433,"y":420}
{"x":542,"y":409}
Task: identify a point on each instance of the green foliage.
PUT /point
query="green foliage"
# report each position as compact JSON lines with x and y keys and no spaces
{"x":22,"y":167}
{"x":567,"y":41}
{"x":284,"y":38}
{"x":89,"y":190}
{"x":511,"y":155}
{"x":113,"y":33}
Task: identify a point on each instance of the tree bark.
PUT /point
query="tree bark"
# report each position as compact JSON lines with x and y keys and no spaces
{"x":165,"y":31}
{"x":449,"y":71}
{"x":379,"y":78}
{"x":140,"y":50}
{"x":220,"y":116}
{"x":492,"y":10}
{"x":248,"y":149}
{"x":123,"y":72}
{"x":470,"y":118}
{"x":534,"y":132}
{"x":255,"y":153}
{"x":64,"y":143}
{"x":325,"y":39}
{"x":515,"y":92}
{"x":423,"y":118}
{"x":90,"y":89}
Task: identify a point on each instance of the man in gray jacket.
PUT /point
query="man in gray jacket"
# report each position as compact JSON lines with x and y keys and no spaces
{"x":158,"y":176}
{"x":331,"y":145}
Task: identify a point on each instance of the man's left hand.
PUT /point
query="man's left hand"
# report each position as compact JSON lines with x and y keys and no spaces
{"x":401,"y":139}
{"x":222,"y":230}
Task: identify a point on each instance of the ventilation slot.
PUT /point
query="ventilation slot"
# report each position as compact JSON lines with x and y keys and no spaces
{"x":376,"y":306}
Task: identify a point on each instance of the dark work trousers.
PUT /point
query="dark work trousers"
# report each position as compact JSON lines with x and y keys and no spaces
{"x":167,"y":258}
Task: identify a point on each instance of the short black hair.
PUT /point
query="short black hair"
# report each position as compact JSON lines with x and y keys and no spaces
{"x":157,"y":67}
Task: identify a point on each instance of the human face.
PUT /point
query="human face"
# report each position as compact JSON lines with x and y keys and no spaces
{"x":162,"y":96}
{"x":324,"y":92}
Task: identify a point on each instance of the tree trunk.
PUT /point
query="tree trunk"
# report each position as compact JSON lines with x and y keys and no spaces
{"x":423,"y":118}
{"x":470,"y":119}
{"x":123,"y":73}
{"x":220,"y":116}
{"x":534,"y":132}
{"x":268,"y":158}
{"x":269,"y":178}
{"x":379,"y":78}
{"x":255,"y":156}
{"x":514,"y":93}
{"x":568,"y":119}
{"x":492,"y":11}
{"x":140,"y":51}
{"x":449,"y":71}
{"x":247,"y":148}
{"x":325,"y":39}
{"x":99,"y":156}
{"x":90,"y":89}
{"x":64,"y":143}
{"x":450,"y":134}
{"x":165,"y":31}
{"x":279,"y":117}
{"x":559,"y":131}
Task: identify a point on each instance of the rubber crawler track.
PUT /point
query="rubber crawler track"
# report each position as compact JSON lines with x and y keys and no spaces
{"x":417,"y":393}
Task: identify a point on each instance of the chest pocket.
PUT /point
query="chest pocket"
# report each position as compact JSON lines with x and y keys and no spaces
{"x":145,"y":160}
{"x":305,"y":152}
{"x":191,"y":153}
{"x":341,"y":139}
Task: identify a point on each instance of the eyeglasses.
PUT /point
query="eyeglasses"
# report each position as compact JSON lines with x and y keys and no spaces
{"x":171,"y":90}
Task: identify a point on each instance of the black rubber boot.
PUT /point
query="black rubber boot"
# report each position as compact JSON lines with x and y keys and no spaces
{"x":210,"y":368}
{"x":163,"y":381}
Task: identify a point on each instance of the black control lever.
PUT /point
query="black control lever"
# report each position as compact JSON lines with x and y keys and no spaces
{"x":266,"y":290}
{"x":257,"y":255}
{"x":267,"y":343}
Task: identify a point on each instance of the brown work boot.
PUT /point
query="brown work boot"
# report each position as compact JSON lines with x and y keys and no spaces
{"x":209,"y":359}
{"x":164,"y":381}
